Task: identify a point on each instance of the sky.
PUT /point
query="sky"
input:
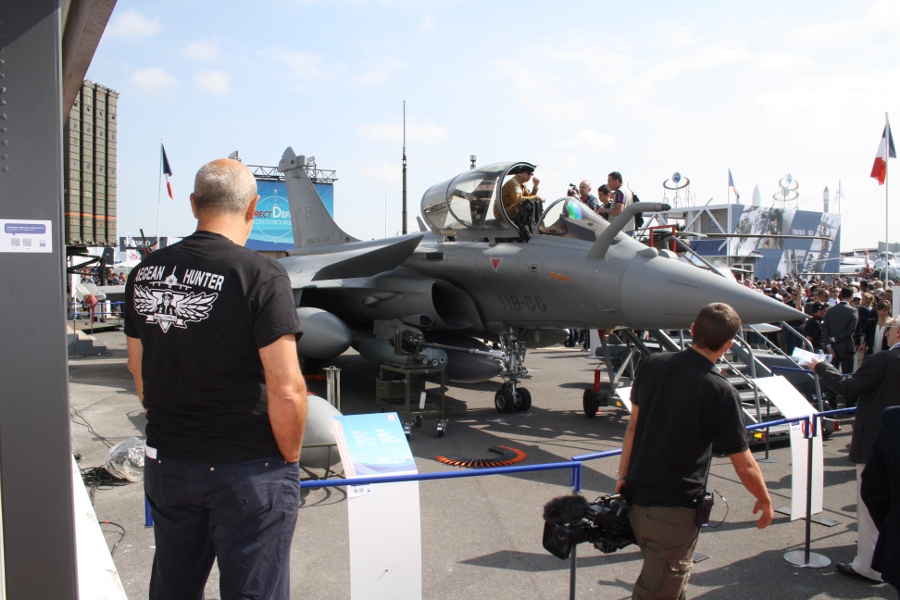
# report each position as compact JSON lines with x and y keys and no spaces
{"x":579,"y":88}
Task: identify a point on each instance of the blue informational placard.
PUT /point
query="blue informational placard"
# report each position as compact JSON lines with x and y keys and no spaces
{"x":272,"y":222}
{"x":373,"y":444}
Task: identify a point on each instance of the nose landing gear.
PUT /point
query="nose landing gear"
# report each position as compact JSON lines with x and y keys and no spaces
{"x":510,"y":397}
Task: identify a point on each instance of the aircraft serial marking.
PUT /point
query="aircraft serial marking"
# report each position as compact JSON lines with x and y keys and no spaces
{"x":529,"y":303}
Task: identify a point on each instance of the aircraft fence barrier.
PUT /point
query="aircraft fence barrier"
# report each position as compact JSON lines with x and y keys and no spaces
{"x":575,"y":465}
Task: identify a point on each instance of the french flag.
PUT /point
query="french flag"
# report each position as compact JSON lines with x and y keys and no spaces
{"x":885,"y":151}
{"x":731,"y":185}
{"x":167,"y":171}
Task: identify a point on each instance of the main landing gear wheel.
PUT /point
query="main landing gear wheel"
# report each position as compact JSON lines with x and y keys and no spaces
{"x":522,"y":400}
{"x":591,"y":403}
{"x":503,"y":400}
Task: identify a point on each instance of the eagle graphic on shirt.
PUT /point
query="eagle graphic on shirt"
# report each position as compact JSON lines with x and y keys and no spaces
{"x":168,"y":302}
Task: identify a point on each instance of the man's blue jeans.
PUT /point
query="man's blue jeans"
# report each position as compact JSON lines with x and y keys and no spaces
{"x":243,"y":515}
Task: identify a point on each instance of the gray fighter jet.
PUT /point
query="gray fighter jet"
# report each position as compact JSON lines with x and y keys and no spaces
{"x":473,"y":292}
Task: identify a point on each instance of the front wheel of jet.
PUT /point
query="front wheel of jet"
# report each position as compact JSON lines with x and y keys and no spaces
{"x":523,"y":399}
{"x":591,"y":403}
{"x":503,"y":400}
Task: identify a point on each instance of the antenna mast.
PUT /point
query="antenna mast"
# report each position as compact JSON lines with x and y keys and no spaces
{"x":404,"y":167}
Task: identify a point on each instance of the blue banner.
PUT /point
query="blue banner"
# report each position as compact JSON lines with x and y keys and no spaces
{"x":272,"y":223}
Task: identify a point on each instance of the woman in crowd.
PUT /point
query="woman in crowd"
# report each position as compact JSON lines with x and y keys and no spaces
{"x":877,"y":333}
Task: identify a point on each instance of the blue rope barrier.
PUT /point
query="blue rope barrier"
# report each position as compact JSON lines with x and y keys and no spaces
{"x":575,"y":466}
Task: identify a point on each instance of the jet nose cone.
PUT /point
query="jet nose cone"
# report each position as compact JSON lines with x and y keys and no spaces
{"x":662,"y":293}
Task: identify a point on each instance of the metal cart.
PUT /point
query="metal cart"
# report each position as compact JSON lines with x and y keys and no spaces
{"x":403,"y":389}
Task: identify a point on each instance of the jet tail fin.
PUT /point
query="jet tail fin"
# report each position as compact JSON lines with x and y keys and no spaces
{"x":312,"y":224}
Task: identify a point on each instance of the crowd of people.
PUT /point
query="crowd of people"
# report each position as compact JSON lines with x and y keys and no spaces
{"x":97,"y":277}
{"x":849,"y":321}
{"x":816,"y":297}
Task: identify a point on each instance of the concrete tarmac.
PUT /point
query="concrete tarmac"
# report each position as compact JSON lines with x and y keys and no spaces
{"x":481,"y":536}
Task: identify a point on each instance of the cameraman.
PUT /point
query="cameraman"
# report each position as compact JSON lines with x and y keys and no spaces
{"x":680,"y":406}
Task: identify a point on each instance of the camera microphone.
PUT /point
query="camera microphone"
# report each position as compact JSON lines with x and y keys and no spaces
{"x":566,"y":509}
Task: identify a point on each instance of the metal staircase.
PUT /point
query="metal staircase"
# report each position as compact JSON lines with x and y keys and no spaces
{"x":621,"y":352}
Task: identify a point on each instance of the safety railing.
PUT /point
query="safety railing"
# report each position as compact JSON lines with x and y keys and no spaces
{"x":575,"y":466}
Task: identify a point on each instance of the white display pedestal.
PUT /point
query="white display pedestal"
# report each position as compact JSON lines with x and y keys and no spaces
{"x":384,"y":518}
{"x":793,"y":405}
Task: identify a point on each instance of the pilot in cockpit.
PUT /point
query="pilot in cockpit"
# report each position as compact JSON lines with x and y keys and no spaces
{"x":516,"y":191}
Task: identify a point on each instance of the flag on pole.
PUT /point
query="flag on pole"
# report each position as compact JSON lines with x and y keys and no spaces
{"x":839,"y":194}
{"x":885,"y":151}
{"x":167,"y":171}
{"x":731,"y":185}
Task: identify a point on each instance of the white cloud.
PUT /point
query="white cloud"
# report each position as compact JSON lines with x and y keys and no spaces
{"x":675,"y":35}
{"x":381,"y":175}
{"x":776,"y":61}
{"x":213,"y":81}
{"x":204,"y":51}
{"x":422,"y":132}
{"x":382,"y":72}
{"x":133,"y":26}
{"x":154,"y":80}
{"x":427,"y":24}
{"x":305,"y":66}
{"x":372,"y":78}
{"x":588,"y":139}
{"x":882,"y":15}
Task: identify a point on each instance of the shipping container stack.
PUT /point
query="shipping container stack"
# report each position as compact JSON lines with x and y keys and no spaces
{"x":90,"y":158}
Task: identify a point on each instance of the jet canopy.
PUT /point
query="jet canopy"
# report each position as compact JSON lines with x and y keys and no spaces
{"x":464,"y":206}
{"x":469,"y":207}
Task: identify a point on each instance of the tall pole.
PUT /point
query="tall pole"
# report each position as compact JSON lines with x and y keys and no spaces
{"x":159,"y":193}
{"x":887,"y":160}
{"x":404,"y":167}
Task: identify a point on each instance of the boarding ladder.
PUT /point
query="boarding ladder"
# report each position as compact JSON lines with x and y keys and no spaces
{"x":622,"y":350}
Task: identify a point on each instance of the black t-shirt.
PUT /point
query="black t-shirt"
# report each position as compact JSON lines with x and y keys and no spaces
{"x":813,"y":328}
{"x":202,"y":309}
{"x":684,"y":406}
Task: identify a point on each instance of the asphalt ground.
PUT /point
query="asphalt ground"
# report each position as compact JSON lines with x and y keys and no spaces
{"x":481,"y":536}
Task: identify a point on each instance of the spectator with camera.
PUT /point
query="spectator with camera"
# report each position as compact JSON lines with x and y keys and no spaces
{"x":583,"y":192}
{"x":622,"y":197}
{"x":680,"y":406}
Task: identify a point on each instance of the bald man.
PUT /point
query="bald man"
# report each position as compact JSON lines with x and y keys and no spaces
{"x":218,"y":375}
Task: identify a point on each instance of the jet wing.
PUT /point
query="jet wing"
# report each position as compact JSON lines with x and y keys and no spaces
{"x":350,"y":260}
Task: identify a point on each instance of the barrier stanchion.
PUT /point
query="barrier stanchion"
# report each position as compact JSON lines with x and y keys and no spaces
{"x":809,"y":559}
{"x":576,"y":487}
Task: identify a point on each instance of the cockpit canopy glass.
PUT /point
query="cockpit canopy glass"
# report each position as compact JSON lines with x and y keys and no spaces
{"x":466,"y":202}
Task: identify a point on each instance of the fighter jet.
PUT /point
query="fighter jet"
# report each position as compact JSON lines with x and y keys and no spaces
{"x":471,"y":291}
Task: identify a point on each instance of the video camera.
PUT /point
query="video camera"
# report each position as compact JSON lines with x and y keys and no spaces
{"x":573,"y":191}
{"x":571,"y":520}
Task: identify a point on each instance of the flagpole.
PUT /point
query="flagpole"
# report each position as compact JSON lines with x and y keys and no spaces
{"x":159,"y":193}
{"x":887,"y":160}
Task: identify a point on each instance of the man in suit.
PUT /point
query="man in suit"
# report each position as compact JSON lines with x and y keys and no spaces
{"x":876,"y":384}
{"x":880,"y":490}
{"x":838,"y":329}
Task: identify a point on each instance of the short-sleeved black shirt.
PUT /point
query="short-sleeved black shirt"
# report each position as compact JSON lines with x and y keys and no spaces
{"x":684,"y":406}
{"x":813,"y":328}
{"x":202,"y":309}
